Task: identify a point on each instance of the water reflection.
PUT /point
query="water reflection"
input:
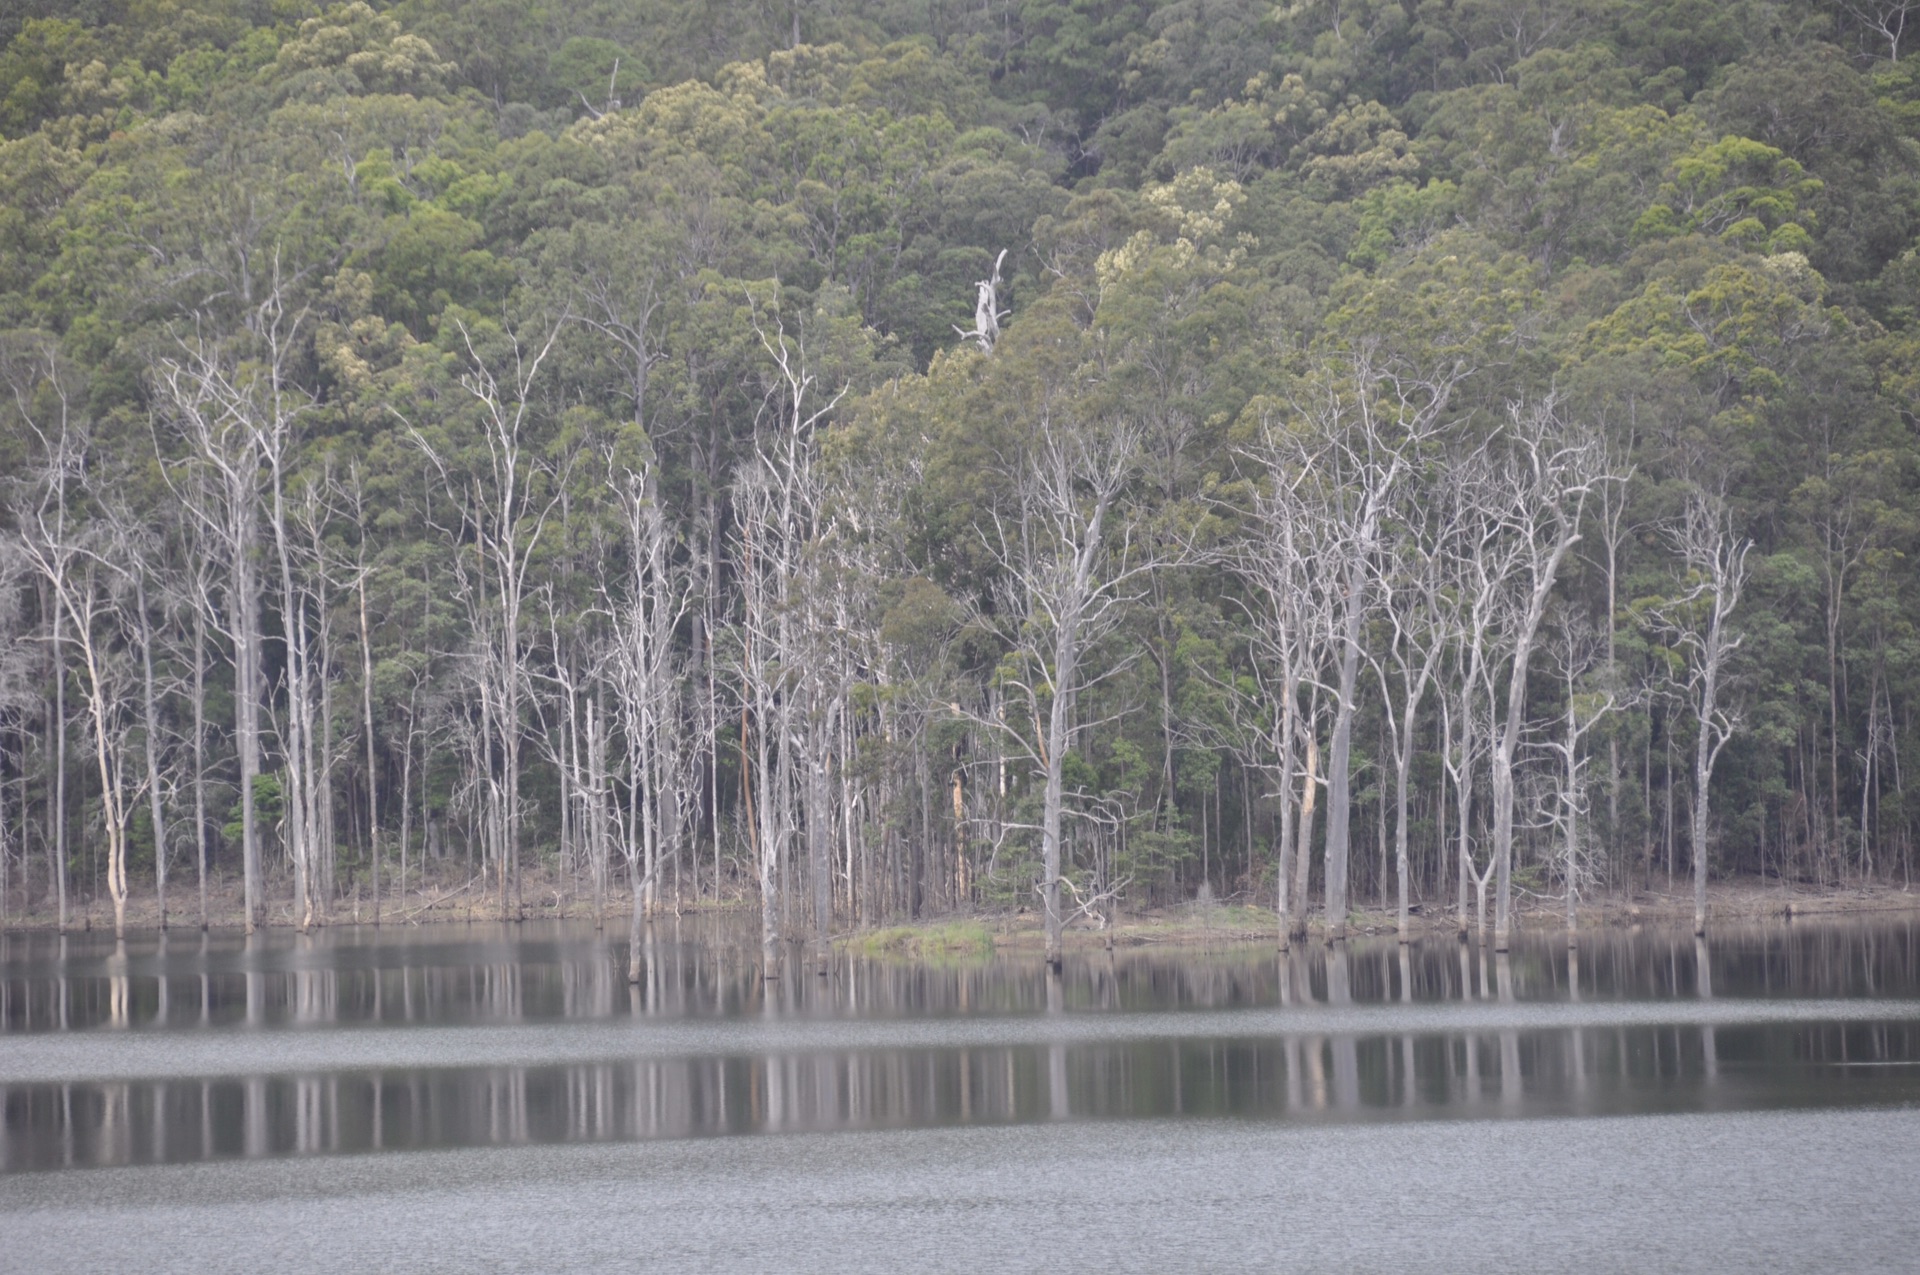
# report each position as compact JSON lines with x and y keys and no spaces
{"x":482,"y":974}
{"x":209,"y":1047}
{"x":1309,"y":1076}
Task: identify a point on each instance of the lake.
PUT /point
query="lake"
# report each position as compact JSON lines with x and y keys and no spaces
{"x":499,"y":1097}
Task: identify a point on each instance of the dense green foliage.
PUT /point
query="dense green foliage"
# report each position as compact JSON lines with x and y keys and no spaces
{"x":1695,"y":224}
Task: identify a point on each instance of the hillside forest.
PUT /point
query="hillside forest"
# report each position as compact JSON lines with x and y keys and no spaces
{"x":872,"y":459}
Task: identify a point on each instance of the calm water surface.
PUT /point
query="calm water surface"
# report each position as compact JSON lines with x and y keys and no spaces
{"x":215,"y":1085}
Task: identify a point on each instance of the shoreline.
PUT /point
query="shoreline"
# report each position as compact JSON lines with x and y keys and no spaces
{"x":1233,"y":923}
{"x":1189,"y":924}
{"x":474,"y":901}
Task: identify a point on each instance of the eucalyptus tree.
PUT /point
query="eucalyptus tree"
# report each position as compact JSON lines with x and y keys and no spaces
{"x":145,"y":567}
{"x":1575,"y":654}
{"x":48,"y":408}
{"x":350,"y":490}
{"x":238,"y":405}
{"x":225,"y":403}
{"x":199,"y":586}
{"x":303,"y":671}
{"x":505,"y":486}
{"x":1699,"y":622}
{"x":1071,"y":565}
{"x":70,"y":545}
{"x":1887,"y":20}
{"x":1550,"y":468}
{"x":1413,"y":583}
{"x":17,"y":668}
{"x":1287,"y":640}
{"x":824,"y":679}
{"x":1482,"y":562}
{"x":646,"y":610}
{"x":778,"y":496}
{"x":1357,"y":427}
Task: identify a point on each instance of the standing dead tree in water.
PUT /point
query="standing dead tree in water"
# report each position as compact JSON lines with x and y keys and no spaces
{"x":218,"y":481}
{"x":1068,"y":575}
{"x":1481,"y":563}
{"x":136,"y":546}
{"x":1551,"y":467}
{"x":1411,"y":578}
{"x":1288,"y":639}
{"x":1353,"y":434}
{"x":506,"y":488}
{"x":778,"y":498}
{"x":69,"y":543}
{"x":1698,"y":622}
{"x":1576,"y":654}
{"x":831,"y":638}
{"x":16,"y":694}
{"x":294,"y":520}
{"x":228,"y":406}
{"x":647,"y":609}
{"x":44,"y":403}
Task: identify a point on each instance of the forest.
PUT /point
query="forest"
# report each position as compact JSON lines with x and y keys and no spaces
{"x":879,"y":459}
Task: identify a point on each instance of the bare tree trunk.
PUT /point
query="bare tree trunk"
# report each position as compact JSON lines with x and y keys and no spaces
{"x":297,"y":772}
{"x":243,"y":605}
{"x":406,"y":807}
{"x":6,"y":855}
{"x":366,"y":721}
{"x":200,"y":756}
{"x":1553,"y":471}
{"x":1064,"y":672}
{"x":1572,"y":830}
{"x":506,"y":519}
{"x":325,"y":830}
{"x":1339,"y":759}
{"x":597,"y":831}
{"x":227,"y":408}
{"x":151,"y":713}
{"x":1283,"y":860}
{"x":1303,"y":856}
{"x":636,"y":920}
{"x":59,"y":840}
{"x":1403,"y":763}
{"x":1718,"y":560}
{"x":819,"y":837}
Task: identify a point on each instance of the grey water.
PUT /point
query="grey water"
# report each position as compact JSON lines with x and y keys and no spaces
{"x":194,"y":1100}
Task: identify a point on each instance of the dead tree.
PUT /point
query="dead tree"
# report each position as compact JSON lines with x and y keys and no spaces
{"x":1481,"y":562}
{"x":1550,"y":469}
{"x":1699,"y":624}
{"x":1576,"y":654}
{"x":16,"y":693}
{"x":1356,"y":430}
{"x":987,"y":313}
{"x":140,"y":557}
{"x":75,"y":557}
{"x":655,"y":597}
{"x":1886,"y":19}
{"x":507,"y":490}
{"x":777,"y":495}
{"x":1412,"y":581}
{"x":1288,"y":640}
{"x":1068,"y":577}
{"x":48,"y":409}
{"x":223,"y":401}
